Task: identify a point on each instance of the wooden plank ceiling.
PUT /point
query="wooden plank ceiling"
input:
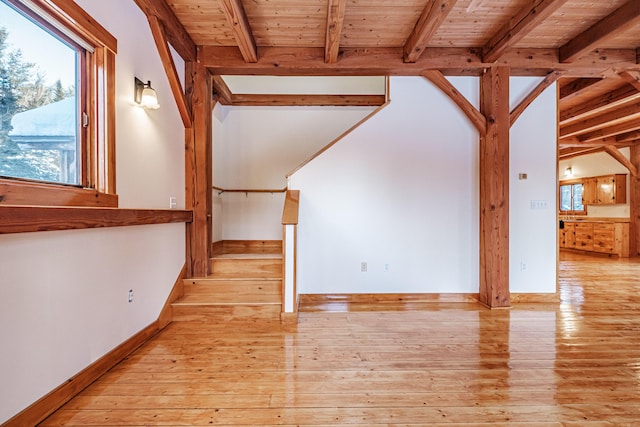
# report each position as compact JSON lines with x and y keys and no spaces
{"x":591,"y":45}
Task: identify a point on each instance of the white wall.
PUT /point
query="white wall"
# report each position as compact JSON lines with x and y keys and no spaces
{"x":255,"y":148}
{"x":402,"y":190}
{"x":63,"y":295}
{"x":597,"y":164}
{"x":532,"y":250}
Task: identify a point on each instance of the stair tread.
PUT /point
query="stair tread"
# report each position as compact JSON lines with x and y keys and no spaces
{"x":194,"y":302}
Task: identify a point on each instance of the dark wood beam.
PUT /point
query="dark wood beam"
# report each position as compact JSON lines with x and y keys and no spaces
{"x":307,"y":100}
{"x":430,"y":20}
{"x":621,"y":158}
{"x":548,"y":80}
{"x":521,"y":24}
{"x":627,"y":113}
{"x":629,"y":137}
{"x":335,"y":21}
{"x":494,"y":189}
{"x":160,"y":38}
{"x":597,"y":105}
{"x":475,"y":117}
{"x":177,"y":35}
{"x":575,"y":87}
{"x":621,"y":20}
{"x":221,"y":89}
{"x":237,"y":18}
{"x":611,"y":131}
{"x":294,"y":61}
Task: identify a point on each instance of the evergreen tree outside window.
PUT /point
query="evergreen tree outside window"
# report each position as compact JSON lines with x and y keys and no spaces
{"x":40,"y":137}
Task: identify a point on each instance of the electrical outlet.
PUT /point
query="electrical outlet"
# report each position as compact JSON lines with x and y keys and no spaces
{"x":363,"y":267}
{"x":173,"y":202}
{"x":523,"y":266}
{"x":130,"y":295}
{"x":387,"y":267}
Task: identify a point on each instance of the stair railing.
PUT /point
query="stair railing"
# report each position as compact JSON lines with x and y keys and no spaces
{"x":289,"y":251}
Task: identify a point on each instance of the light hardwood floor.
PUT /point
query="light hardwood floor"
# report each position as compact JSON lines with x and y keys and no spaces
{"x":573,"y":363}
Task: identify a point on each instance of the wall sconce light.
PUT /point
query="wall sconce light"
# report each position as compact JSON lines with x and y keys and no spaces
{"x":568,"y":171}
{"x":145,"y":96}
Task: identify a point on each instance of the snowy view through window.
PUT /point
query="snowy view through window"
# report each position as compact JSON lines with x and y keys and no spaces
{"x":38,"y":104}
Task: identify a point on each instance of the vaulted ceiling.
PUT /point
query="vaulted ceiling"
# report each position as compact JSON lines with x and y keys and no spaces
{"x":590,"y":46}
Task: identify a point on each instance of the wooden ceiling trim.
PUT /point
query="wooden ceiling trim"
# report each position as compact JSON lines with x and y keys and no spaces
{"x":622,"y":159}
{"x":177,"y":35}
{"x":160,"y":38}
{"x":576,"y":87}
{"x":614,"y":24}
{"x":430,"y":20}
{"x":613,"y":117}
{"x":614,"y":130}
{"x":596,"y":105}
{"x":221,"y":89}
{"x":296,"y":61}
{"x":475,"y":116}
{"x":548,"y":80}
{"x":273,"y":100}
{"x":520,"y":25}
{"x":237,"y":18}
{"x":335,"y":22}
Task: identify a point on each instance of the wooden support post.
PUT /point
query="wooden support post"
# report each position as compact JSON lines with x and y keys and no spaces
{"x":198,"y":170}
{"x":494,"y":189}
{"x":634,"y":202}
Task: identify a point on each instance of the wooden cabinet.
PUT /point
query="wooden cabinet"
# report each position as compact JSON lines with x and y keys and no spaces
{"x":605,"y":190}
{"x":609,"y":237}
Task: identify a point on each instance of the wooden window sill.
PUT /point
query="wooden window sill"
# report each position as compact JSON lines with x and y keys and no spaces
{"x":25,"y":219}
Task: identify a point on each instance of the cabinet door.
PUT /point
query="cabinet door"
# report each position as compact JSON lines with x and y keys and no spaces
{"x":604,"y":238}
{"x":606,"y":190}
{"x":589,"y":191}
{"x":584,"y":236}
{"x":570,"y":234}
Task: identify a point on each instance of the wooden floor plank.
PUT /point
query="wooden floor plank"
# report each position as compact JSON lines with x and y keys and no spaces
{"x":575,"y":362}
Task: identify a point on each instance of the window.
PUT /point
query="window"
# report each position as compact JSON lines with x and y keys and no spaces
{"x":56,"y":106}
{"x":571,"y":202}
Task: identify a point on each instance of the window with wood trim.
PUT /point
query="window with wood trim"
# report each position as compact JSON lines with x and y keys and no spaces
{"x":57,"y":69}
{"x":571,"y":198}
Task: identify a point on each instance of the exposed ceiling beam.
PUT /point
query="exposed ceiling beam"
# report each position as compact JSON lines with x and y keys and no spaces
{"x":548,"y":80}
{"x":631,"y":77}
{"x":177,"y":35}
{"x":237,"y":18}
{"x":335,"y":21}
{"x":221,"y":89}
{"x":432,"y":17}
{"x":629,"y":137}
{"x":611,"y":131}
{"x":575,"y":142}
{"x":621,"y":20}
{"x":307,"y":100}
{"x":568,"y":153}
{"x":616,"y":154}
{"x":576,"y":87}
{"x":521,"y":24}
{"x":619,"y":115}
{"x":474,"y":115}
{"x":160,"y":38}
{"x":596,"y":105}
{"x":300,"y":61}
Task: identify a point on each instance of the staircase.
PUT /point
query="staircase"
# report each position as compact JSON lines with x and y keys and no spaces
{"x":245,"y":284}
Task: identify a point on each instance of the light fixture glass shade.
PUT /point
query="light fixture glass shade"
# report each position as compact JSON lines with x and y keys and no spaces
{"x":568,"y":171}
{"x":145,"y":96}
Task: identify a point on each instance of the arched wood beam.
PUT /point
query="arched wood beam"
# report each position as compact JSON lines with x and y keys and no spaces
{"x":549,"y":79}
{"x":521,"y":24}
{"x":440,"y":81}
{"x":621,"y":20}
{"x":335,"y":20}
{"x":430,"y":20}
{"x":237,"y":18}
{"x":160,"y":38}
{"x":617,"y":154}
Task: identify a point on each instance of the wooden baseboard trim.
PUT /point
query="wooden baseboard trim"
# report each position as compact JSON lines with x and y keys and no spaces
{"x":385,"y":298}
{"x":45,"y":406}
{"x":534,"y":298}
{"x":289,"y":318}
{"x":166,"y":314}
